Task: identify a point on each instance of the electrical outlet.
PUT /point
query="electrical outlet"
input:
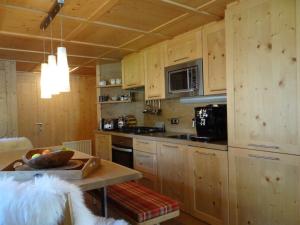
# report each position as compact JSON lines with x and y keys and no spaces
{"x":174,"y":121}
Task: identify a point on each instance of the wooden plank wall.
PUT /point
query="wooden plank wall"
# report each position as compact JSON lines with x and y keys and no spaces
{"x":8,"y":99}
{"x":65,"y":117}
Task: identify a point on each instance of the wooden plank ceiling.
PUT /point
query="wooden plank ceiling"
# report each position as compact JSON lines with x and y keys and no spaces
{"x":97,"y":31}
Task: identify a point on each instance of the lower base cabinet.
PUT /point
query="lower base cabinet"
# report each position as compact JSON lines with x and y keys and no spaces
{"x":172,"y":172}
{"x":103,"y":146}
{"x":146,"y":163}
{"x":264,"y":188}
{"x":208,"y":176}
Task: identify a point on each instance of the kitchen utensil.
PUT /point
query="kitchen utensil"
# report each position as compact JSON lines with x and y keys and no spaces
{"x":103,"y":98}
{"x":109,"y":124}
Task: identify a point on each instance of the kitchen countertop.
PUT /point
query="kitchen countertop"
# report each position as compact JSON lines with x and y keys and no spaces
{"x":164,"y":137}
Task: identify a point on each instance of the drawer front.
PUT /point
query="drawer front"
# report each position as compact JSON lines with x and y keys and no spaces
{"x":145,"y":162}
{"x":144,"y":145}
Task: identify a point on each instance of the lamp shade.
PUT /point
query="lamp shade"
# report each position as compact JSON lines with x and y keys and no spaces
{"x":53,"y":73}
{"x":63,"y":68}
{"x":45,"y":82}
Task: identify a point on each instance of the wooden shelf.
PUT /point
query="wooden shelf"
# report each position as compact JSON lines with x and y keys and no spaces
{"x":110,"y":86}
{"x":114,"y":102}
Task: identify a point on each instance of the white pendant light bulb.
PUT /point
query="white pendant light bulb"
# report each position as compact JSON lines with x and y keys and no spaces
{"x":53,"y":73}
{"x":63,"y":68}
{"x":45,"y":82}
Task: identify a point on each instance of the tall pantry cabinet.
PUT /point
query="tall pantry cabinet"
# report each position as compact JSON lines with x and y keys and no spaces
{"x":263,"y":75}
{"x":263,"y":89}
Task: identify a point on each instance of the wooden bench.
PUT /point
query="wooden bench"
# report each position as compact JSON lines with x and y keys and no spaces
{"x":140,"y":205}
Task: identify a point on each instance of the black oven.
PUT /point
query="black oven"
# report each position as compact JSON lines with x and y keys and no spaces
{"x":122,"y":151}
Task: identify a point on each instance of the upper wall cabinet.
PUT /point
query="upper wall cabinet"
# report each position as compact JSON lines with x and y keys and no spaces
{"x":263,"y":78}
{"x":155,"y":71}
{"x":133,"y":70}
{"x":214,"y":61}
{"x":185,"y":47}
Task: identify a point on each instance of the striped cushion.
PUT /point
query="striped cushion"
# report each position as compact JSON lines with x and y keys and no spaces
{"x":140,"y":203}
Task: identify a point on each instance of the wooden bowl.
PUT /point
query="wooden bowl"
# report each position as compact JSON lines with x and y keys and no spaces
{"x":50,"y":160}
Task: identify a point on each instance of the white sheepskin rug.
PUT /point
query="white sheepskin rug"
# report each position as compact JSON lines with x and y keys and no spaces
{"x":42,"y":202}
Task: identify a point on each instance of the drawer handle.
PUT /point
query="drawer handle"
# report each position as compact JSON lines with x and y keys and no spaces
{"x":170,"y":146}
{"x":205,"y":153}
{"x":143,"y":142}
{"x":153,"y":96}
{"x":145,"y":156}
{"x":176,"y":60}
{"x":263,"y":157}
{"x":264,"y":146}
{"x":131,"y":84}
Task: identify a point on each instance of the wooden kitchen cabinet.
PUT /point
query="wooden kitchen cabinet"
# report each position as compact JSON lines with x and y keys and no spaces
{"x":146,"y":163}
{"x":214,"y":60}
{"x":133,"y":74}
{"x":173,"y":172}
{"x":208,"y":177}
{"x":103,"y":147}
{"x":184,"y":47}
{"x":262,"y":62}
{"x":155,"y":71}
{"x":264,"y":188}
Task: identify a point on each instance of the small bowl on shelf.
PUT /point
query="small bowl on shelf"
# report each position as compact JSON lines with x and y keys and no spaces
{"x":45,"y":158}
{"x":102,"y":83}
{"x":114,"y":98}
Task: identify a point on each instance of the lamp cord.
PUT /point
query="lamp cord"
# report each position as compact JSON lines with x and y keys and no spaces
{"x":61,"y":30}
{"x":44,"y":46}
{"x":51,"y":37}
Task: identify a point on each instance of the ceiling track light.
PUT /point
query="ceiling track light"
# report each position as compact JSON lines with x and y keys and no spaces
{"x":51,"y":14}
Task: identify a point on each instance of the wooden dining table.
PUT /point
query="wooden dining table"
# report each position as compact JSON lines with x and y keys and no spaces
{"x":107,"y":174}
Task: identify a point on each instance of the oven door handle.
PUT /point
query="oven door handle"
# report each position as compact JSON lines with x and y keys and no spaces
{"x":122,"y":149}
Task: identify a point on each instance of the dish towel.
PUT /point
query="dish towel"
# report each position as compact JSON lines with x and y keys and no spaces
{"x":42,"y":201}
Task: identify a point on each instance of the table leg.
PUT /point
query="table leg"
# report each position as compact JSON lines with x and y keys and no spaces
{"x":103,"y":198}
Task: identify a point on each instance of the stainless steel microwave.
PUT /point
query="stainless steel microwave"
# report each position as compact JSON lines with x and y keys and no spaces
{"x":184,"y":80}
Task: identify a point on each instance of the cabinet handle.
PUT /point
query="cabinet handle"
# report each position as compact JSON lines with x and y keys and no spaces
{"x":205,"y":153}
{"x":143,"y":142}
{"x":144,"y":156}
{"x":153,"y":96}
{"x":263,"y":157}
{"x":264,"y":146}
{"x":170,"y":146}
{"x":131,"y":84}
{"x":176,"y":60}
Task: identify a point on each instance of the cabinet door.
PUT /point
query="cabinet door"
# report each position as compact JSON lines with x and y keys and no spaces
{"x":103,"y":146}
{"x":133,"y":70}
{"x":264,"y":188}
{"x":214,"y":60}
{"x":172,"y":172}
{"x":263,"y":75}
{"x":155,"y":72}
{"x":145,"y":162}
{"x":185,"y":47}
{"x":208,"y":170}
